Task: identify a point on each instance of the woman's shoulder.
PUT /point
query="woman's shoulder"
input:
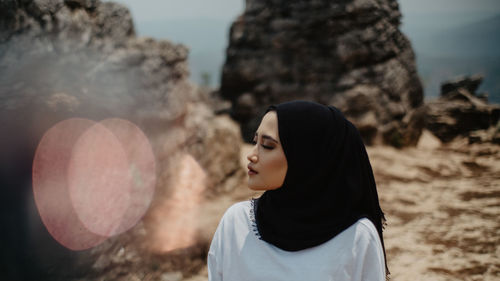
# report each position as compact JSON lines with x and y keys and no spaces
{"x":365,"y":233}
{"x":359,"y":234}
{"x":239,"y":206}
{"x":236,"y":221}
{"x":366,"y":227}
{"x":237,"y":211}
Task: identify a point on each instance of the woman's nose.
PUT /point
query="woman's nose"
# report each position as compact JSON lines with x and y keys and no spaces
{"x":252,"y":156}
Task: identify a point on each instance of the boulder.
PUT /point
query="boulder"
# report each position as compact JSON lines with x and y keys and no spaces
{"x":350,"y":54}
{"x":460,"y":110}
{"x":469,"y":83}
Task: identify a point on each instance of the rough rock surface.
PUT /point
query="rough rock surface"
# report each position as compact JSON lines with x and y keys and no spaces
{"x":349,"y":54}
{"x":80,"y":58}
{"x":460,"y":111}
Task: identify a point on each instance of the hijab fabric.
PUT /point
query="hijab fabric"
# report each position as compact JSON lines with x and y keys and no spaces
{"x":329,"y":184}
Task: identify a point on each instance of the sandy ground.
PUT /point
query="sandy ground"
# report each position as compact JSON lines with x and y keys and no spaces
{"x":442,"y":204}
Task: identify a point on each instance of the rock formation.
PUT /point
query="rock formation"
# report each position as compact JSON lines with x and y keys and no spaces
{"x":80,"y":58}
{"x":460,"y":111}
{"x":349,"y":54}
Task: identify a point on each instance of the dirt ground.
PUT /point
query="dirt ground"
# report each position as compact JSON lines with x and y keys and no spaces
{"x":442,"y":205}
{"x":441,"y":202}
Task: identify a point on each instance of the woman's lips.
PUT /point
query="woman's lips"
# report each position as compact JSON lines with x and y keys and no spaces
{"x":251,"y":171}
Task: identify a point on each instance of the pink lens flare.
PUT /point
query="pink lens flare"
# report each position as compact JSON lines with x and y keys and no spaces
{"x":141,"y":168}
{"x":50,"y":185}
{"x":99,"y":180}
{"x":92,"y":180}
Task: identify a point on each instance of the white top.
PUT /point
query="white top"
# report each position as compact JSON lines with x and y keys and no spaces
{"x":237,"y":254}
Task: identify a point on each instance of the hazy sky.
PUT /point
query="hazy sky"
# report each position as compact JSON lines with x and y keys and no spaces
{"x":433,"y":15}
{"x":451,"y":6}
{"x":144,"y":10}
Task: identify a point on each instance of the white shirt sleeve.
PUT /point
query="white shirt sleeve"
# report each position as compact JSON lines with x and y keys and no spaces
{"x":213,"y":273}
{"x":369,"y":263}
{"x":214,"y":256}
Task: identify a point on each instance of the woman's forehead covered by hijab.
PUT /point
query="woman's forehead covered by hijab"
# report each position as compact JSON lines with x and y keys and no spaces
{"x":309,"y":131}
{"x":308,"y":116}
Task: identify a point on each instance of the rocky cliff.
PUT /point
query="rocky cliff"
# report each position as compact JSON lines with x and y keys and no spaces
{"x":462,"y":112}
{"x":81,"y":58}
{"x":350,"y":54}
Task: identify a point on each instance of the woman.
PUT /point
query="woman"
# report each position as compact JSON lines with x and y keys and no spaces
{"x":319,"y":217}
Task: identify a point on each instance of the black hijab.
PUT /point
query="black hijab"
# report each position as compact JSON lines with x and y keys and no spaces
{"x":329,"y":184}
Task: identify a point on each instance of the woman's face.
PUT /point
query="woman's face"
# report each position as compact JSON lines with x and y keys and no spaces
{"x":268,"y":166}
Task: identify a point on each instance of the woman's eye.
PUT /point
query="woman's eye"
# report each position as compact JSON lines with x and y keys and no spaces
{"x":267,"y":146}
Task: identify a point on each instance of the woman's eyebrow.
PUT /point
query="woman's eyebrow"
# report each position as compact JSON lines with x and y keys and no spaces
{"x":267,"y":138}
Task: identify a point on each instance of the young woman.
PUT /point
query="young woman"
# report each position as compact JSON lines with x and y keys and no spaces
{"x":319,"y":217}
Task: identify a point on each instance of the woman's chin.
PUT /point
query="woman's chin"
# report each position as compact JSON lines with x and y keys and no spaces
{"x":260,"y":187}
{"x":256,"y":187}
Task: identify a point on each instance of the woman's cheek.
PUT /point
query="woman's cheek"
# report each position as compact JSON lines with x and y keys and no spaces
{"x":277,"y":169}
